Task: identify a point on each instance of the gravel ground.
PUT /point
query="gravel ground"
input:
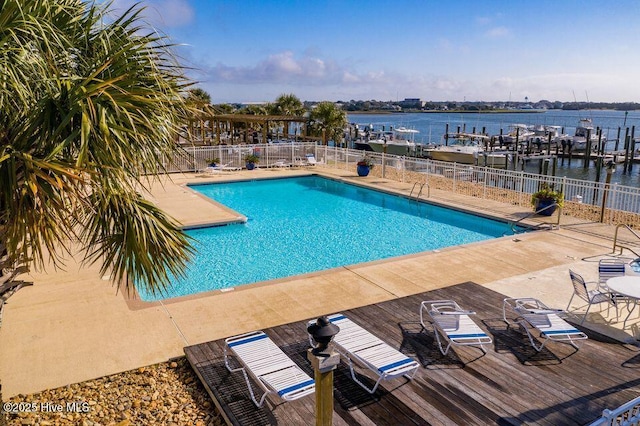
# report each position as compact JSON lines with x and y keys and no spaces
{"x":169,"y":394}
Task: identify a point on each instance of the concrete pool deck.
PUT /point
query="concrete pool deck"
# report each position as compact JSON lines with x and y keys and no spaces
{"x":72,"y":325}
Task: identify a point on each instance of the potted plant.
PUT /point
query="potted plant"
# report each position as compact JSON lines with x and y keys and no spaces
{"x":251,"y":160}
{"x":213,"y":161}
{"x":364,"y":166}
{"x":544,"y":199}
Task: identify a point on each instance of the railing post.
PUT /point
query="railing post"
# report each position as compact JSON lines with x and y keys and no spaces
{"x":612,"y":201}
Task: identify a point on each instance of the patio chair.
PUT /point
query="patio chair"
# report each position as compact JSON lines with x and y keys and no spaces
{"x":609,"y":268}
{"x":592,"y":297}
{"x":533,"y":315}
{"x":354,"y":343}
{"x":273,"y":370}
{"x":454,"y":324}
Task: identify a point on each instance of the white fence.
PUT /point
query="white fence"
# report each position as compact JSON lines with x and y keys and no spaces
{"x":595,"y":201}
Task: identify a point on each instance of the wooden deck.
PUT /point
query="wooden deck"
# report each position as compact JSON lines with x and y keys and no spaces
{"x":510,"y":385}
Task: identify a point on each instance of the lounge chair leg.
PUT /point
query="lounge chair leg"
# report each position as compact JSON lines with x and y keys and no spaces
{"x":585,"y":314}
{"x":569,"y":304}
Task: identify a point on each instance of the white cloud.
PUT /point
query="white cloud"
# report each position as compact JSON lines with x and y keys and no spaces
{"x":498,"y":32}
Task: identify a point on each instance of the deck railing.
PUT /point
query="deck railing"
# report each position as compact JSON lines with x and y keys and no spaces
{"x":594,"y":201}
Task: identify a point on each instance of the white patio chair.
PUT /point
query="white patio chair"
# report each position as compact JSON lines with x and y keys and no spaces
{"x":354,"y":343}
{"x":454,"y":324}
{"x":592,"y":297}
{"x":532,"y":315}
{"x":273,"y":370}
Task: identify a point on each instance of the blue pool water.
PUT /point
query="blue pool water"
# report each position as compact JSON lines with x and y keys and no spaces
{"x":307,"y":224}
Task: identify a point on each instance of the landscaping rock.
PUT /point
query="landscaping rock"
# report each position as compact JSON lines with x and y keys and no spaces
{"x":167,"y":393}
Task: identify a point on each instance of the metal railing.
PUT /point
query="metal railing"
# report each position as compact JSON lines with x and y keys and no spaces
{"x":593,"y":201}
{"x":616,"y":245}
{"x":539,"y":211}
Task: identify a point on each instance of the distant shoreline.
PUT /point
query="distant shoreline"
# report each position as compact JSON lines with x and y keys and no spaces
{"x":452,"y":111}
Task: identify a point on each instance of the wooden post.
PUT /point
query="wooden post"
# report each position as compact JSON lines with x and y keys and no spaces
{"x":323,"y":365}
{"x":587,"y":151}
{"x":610,"y":169}
{"x":632,"y":142}
{"x":627,"y":145}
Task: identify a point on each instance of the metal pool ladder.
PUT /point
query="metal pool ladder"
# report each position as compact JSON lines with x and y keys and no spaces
{"x":422,"y":185}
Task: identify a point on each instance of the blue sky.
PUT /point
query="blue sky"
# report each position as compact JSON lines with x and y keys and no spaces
{"x":477,"y":50}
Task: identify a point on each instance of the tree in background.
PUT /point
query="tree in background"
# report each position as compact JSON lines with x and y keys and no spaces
{"x":198,"y":97}
{"x":287,"y":104}
{"x":328,"y":121}
{"x":89,"y":105}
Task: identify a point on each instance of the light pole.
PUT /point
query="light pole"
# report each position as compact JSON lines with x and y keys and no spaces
{"x":611,"y":167}
{"x":324,"y":360}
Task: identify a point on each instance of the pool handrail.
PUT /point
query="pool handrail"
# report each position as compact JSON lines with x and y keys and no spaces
{"x":513,"y":224}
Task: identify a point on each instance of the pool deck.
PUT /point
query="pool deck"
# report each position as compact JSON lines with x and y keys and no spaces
{"x":72,"y":325}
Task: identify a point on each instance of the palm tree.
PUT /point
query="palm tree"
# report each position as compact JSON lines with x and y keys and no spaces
{"x":88,"y":108}
{"x":288,"y":104}
{"x":328,"y":121}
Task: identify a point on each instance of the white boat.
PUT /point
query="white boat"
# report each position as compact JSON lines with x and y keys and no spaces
{"x":463,"y":148}
{"x":398,"y":141}
{"x":517,"y":132}
{"x":468,"y":148}
{"x":579,"y":139}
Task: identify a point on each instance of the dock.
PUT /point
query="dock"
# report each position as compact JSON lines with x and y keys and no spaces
{"x":511,"y":385}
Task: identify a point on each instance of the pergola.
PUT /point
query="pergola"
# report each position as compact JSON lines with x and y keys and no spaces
{"x":213,"y":128}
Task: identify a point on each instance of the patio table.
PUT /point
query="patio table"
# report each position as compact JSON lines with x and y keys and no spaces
{"x":628,"y":286}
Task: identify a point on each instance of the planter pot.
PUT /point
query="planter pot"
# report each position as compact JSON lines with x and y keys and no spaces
{"x":251,"y":166}
{"x":363,"y":170}
{"x":545,"y":202}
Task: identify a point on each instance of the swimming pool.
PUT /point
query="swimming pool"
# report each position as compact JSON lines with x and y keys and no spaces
{"x":310,"y":223}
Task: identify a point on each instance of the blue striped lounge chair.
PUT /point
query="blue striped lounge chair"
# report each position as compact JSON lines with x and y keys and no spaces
{"x":533,"y":315}
{"x":272,"y":369}
{"x":357,"y":345}
{"x":453,"y":323}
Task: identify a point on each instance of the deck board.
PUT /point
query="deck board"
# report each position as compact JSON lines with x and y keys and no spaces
{"x":511,"y":385}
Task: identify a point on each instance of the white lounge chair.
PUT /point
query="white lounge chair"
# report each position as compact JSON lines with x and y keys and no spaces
{"x":454,"y":324}
{"x":532,"y":314}
{"x":311,"y":159}
{"x":273,"y":370}
{"x":354,"y":343}
{"x":281,"y":163}
{"x":221,"y":168}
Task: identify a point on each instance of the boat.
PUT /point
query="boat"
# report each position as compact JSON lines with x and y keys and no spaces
{"x":468,"y":148}
{"x":578,"y":142}
{"x":395,"y":141}
{"x":517,"y":132}
{"x":463,"y":148}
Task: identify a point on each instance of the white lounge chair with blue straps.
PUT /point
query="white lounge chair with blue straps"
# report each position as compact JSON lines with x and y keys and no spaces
{"x":354,"y":343}
{"x":454,"y":324}
{"x":532,"y":314}
{"x":273,"y":370}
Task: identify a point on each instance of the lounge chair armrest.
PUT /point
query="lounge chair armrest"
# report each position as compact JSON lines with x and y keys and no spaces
{"x":541,"y":311}
{"x":455,"y":313}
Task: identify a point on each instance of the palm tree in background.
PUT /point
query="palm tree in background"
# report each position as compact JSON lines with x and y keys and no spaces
{"x":287,"y":104}
{"x":328,"y":121}
{"x":89,"y":105}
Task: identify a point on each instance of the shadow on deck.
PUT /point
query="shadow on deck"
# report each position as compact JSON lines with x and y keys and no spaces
{"x":511,"y":385}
